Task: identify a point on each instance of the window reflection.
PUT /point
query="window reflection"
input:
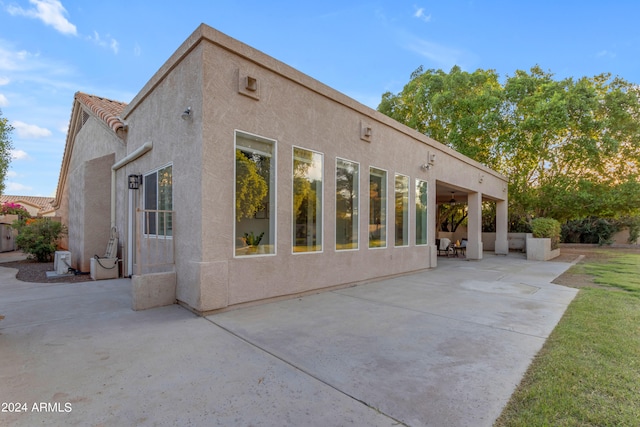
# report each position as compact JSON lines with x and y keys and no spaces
{"x":307,"y":200}
{"x":347,"y":193}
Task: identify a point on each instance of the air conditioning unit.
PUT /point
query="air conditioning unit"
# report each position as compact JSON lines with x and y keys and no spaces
{"x":62,"y":262}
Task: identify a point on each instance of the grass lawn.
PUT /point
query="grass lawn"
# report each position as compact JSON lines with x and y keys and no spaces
{"x":588,"y":372}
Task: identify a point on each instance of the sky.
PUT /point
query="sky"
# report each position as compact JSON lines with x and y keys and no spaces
{"x":50,"y":49}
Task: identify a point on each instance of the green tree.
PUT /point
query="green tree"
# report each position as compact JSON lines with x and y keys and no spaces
{"x":5,"y":149}
{"x":251,"y":185}
{"x":571,"y":148}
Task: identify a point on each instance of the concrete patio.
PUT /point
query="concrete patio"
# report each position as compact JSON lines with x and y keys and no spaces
{"x":444,"y":347}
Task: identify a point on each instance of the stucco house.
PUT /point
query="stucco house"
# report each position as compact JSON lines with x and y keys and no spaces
{"x":233,"y":178}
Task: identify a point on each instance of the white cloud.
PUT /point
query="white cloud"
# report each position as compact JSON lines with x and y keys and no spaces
{"x":443,"y":56}
{"x":3,"y":101}
{"x":4,"y":81}
{"x":606,"y":53}
{"x":50,"y":12}
{"x":110,"y":42}
{"x":19,"y":155}
{"x":16,"y":188}
{"x":421,"y":15}
{"x":11,"y":174}
{"x":25,"y":130}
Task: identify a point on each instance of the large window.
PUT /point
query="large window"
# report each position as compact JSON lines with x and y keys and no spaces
{"x":402,"y":210}
{"x":158,"y":202}
{"x":255,"y":195}
{"x":377,"y":208}
{"x":307,"y":200}
{"x":347,"y":202}
{"x":421,"y":212}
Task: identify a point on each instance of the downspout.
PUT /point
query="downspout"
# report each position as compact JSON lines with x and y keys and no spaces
{"x":126,"y":160}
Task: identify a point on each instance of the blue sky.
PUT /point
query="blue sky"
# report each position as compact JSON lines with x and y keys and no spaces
{"x":49,"y":49}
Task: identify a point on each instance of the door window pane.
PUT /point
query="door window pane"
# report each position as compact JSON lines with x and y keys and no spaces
{"x":347,"y":193}
{"x":402,"y":210}
{"x":377,"y":208}
{"x":254,"y":195}
{"x":307,"y":200}
{"x":421,"y":212}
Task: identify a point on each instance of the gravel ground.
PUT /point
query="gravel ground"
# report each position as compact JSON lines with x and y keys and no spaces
{"x":32,"y":271}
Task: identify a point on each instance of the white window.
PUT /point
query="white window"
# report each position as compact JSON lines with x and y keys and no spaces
{"x":377,"y":208}
{"x":254,"y":207}
{"x":307,"y":200}
{"x":158,"y":202}
{"x":347,"y":204}
{"x":402,"y":210}
{"x":421,"y":212}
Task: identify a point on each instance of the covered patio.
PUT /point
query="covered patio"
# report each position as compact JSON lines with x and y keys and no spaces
{"x":450,"y":196}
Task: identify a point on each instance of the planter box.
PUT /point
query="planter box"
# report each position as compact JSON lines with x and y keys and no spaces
{"x":539,"y":249}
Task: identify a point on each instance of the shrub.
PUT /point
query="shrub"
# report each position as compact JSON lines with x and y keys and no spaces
{"x":547,"y":228}
{"x":590,"y":230}
{"x":39,"y":237}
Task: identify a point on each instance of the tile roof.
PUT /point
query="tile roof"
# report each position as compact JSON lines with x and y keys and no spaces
{"x":106,"y":109}
{"x":45,"y":203}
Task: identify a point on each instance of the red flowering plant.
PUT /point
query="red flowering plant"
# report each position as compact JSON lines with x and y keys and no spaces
{"x":10,"y":208}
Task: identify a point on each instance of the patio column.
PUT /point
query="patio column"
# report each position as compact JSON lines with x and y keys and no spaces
{"x":474,"y":228}
{"x":502,"y":227}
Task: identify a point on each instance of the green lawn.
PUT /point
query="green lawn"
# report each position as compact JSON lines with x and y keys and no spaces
{"x":588,"y":372}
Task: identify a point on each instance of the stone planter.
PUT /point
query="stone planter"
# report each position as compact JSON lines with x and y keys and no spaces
{"x":539,"y":249}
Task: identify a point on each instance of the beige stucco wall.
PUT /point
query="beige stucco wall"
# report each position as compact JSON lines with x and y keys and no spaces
{"x":85,"y":204}
{"x":294,"y":110}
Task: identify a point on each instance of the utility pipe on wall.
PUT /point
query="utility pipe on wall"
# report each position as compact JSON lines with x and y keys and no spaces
{"x":126,"y":160}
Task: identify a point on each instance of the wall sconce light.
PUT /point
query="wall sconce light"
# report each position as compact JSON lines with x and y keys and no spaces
{"x":481,"y":178}
{"x":425,"y":167}
{"x":135,"y":181}
{"x":453,"y":199}
{"x":186,"y":114}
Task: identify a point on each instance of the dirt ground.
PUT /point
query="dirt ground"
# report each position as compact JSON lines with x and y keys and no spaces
{"x":31,"y":271}
{"x":581,"y":253}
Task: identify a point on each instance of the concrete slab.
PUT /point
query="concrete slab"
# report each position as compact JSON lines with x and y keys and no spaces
{"x":443,"y":347}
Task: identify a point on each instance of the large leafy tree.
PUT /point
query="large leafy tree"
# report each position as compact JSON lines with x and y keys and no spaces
{"x":571,"y":148}
{"x":5,"y":149}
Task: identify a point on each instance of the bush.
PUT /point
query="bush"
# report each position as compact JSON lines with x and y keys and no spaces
{"x":39,"y":237}
{"x":590,"y":230}
{"x":547,"y":228}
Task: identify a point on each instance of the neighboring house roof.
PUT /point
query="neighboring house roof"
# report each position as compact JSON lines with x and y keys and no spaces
{"x":106,"y":110}
{"x":43,"y":205}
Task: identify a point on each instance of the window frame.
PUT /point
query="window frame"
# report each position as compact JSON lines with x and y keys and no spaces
{"x":272,"y":208}
{"x":321,"y":203}
{"x":425,"y":225}
{"x":384,"y":206}
{"x":357,"y":225}
{"x":145,"y":186}
{"x":406,"y":241}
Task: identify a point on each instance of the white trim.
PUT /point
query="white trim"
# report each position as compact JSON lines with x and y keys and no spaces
{"x":293,"y":220}
{"x":395,"y":175}
{"x":386,"y":212}
{"x":335,"y":176}
{"x":426,"y":225}
{"x":273,"y":192}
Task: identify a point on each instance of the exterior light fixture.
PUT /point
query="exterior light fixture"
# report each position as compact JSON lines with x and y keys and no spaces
{"x":453,"y":200}
{"x":135,"y":181}
{"x":186,"y":114}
